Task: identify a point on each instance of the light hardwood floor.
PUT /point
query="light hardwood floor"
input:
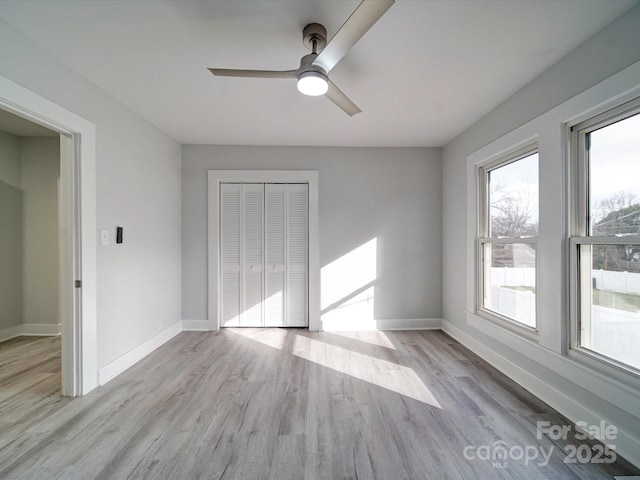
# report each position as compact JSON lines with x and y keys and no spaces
{"x":30,"y":386}
{"x":280,"y":404}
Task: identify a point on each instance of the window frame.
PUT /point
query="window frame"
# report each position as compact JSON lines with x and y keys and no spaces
{"x":484,"y":237}
{"x":580,"y":235}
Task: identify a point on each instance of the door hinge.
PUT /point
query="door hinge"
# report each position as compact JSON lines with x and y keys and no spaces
{"x":78,"y":283}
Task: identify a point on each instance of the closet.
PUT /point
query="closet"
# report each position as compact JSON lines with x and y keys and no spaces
{"x":264,"y":230}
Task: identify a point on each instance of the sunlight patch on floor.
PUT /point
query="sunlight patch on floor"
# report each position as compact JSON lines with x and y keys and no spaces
{"x":271,"y":337}
{"x":378,"y":339}
{"x":388,"y":375}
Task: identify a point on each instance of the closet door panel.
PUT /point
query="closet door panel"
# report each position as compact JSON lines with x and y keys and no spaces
{"x":253,"y":255}
{"x":297,"y":254}
{"x":275,"y":254}
{"x":230,"y":219}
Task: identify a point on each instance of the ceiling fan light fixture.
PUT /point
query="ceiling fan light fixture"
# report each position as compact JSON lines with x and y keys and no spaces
{"x":313,"y":83}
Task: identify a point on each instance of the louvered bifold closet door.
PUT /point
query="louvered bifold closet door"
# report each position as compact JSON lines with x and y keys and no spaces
{"x":264,"y":254}
{"x":252,"y":293}
{"x":297,"y":254}
{"x":275,"y":224}
{"x":230,"y":221}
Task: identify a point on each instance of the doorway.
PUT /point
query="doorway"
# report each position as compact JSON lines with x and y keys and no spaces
{"x":77,"y":231}
{"x":29,"y":258}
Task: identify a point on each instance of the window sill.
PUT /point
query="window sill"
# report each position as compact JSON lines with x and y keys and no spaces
{"x":606,"y":366}
{"x":509,"y":326}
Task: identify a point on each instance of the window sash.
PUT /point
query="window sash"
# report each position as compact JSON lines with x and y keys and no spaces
{"x":483,"y":264}
{"x":610,"y":240}
{"x":484,"y":207}
{"x":581,"y":220}
{"x":505,"y":240}
{"x":581,"y":299}
{"x":580,"y":283}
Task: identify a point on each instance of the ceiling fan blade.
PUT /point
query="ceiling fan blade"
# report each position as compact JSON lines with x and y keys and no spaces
{"x":341,"y":100}
{"x":361,"y":20}
{"x":228,"y":72}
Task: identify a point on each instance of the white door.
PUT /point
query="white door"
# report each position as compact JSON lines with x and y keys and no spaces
{"x":264,"y":254}
{"x":230,"y":246}
{"x":297,"y":257}
{"x":275,"y":254}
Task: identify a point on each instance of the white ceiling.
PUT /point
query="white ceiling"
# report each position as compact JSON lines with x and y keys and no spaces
{"x":423,"y":74}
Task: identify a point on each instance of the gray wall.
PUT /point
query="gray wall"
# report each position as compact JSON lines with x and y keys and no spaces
{"x":10,"y":232}
{"x":10,"y":165}
{"x":608,"y":52}
{"x":40,"y":158}
{"x":393,"y":195}
{"x":138,"y":187}
{"x":29,"y":174}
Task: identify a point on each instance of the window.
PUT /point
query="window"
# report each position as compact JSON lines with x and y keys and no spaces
{"x":605,"y":247}
{"x":508,"y":233}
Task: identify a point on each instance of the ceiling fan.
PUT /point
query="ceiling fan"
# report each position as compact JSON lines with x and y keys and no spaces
{"x":312,"y":74}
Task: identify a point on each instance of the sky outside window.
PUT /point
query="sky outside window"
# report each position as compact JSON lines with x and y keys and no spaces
{"x":614,"y":167}
{"x":513,"y":197}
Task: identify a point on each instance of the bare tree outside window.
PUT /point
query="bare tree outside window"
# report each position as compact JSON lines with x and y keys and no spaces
{"x":512,"y":214}
{"x":513,"y":199}
{"x":618,"y":215}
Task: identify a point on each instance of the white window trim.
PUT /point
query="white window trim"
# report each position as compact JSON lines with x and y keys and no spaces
{"x":606,"y":114}
{"x":215,"y":178}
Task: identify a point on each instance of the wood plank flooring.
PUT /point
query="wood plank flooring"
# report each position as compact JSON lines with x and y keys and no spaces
{"x":30,"y":386}
{"x":282,"y":404}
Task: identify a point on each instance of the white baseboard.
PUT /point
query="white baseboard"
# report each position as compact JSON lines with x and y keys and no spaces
{"x":110,"y":371}
{"x":391,"y":324}
{"x":11,"y":332}
{"x":41,"y":329}
{"x":195,"y":325}
{"x":349,"y":325}
{"x":30,"y":329}
{"x":627,"y":445}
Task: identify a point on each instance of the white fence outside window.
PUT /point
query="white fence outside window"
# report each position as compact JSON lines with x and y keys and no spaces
{"x":615,"y":332}
{"x":619,"y":282}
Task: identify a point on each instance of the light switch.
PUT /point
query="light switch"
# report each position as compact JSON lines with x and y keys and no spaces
{"x":104,"y":237}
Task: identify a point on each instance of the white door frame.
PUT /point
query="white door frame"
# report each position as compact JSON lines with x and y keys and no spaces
{"x":215,"y":178}
{"x":77,"y":231}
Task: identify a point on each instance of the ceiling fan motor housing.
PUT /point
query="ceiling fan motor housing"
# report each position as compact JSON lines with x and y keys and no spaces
{"x":306,"y":64}
{"x":314,"y":37}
